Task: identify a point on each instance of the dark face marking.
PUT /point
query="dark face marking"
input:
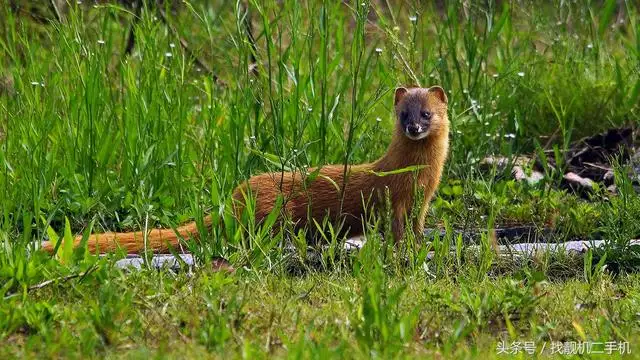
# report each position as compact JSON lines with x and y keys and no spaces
{"x":415,"y":116}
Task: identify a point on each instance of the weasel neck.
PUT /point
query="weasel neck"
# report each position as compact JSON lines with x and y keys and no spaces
{"x":404,"y":152}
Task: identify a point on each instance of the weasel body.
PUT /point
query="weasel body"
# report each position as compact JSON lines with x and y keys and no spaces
{"x":420,"y":139}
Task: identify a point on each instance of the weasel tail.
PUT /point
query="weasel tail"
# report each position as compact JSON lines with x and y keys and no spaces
{"x":158,"y":240}
{"x":420,"y":143}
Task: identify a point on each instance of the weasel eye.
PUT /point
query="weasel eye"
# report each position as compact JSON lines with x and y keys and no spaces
{"x":426,"y":114}
{"x":403,"y":115}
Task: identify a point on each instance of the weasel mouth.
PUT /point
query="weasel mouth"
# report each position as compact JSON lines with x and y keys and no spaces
{"x":416,"y":132}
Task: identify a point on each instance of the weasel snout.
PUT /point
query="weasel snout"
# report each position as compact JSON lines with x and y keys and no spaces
{"x":416,"y":131}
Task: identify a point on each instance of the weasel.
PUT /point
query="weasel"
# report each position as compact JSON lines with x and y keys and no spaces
{"x":420,"y":139}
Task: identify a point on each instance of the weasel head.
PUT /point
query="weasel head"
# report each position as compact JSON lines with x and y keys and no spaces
{"x":421,"y":112}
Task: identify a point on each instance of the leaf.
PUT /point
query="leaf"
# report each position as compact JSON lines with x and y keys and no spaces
{"x":588,"y":260}
{"x":6,"y":287}
{"x":215,"y":194}
{"x":273,"y":215}
{"x":495,"y":31}
{"x":634,"y":94}
{"x":510,"y":329}
{"x":331,"y":181}
{"x":600,"y":265}
{"x":26,"y":233}
{"x":53,"y":237}
{"x":605,"y":16}
{"x":312,"y":176}
{"x":273,"y":159}
{"x":85,"y":238}
{"x":146,"y":158}
{"x":67,"y":244}
{"x":579,"y":330}
{"x":398,"y":171}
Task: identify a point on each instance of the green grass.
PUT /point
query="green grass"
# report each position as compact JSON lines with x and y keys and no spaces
{"x":120,"y":142}
{"x":338,"y":315}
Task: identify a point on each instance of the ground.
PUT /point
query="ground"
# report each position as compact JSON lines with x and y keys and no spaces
{"x":375,"y":312}
{"x":118,"y":118}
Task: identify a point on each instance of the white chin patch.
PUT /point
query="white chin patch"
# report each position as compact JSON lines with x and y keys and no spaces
{"x":420,"y":136}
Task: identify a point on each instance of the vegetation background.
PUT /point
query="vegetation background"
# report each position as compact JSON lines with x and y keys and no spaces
{"x":123,"y":116}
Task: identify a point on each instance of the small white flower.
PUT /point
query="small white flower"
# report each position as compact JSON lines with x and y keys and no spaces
{"x":458,"y":132}
{"x":252,"y":137}
{"x":35,"y":83}
{"x":101,"y":42}
{"x":42,"y":84}
{"x":378,"y":119}
{"x":172,"y":45}
{"x":510,"y":136}
{"x":495,"y":75}
{"x":521,"y":74}
{"x":309,"y":109}
{"x":474,"y":102}
{"x":168,"y":54}
{"x":413,"y":18}
{"x":79,"y":2}
{"x":590,"y":46}
{"x":487,"y":134}
{"x":432,"y":76}
{"x":465,"y":91}
{"x":379,"y":50}
{"x":486,"y":123}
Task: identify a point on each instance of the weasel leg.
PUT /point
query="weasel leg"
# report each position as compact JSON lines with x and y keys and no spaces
{"x":397,"y":226}
{"x":418,"y":226}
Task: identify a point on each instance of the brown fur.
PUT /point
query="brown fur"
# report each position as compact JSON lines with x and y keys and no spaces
{"x":320,"y":197}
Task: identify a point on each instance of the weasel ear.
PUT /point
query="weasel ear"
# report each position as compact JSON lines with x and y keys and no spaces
{"x":439,"y":92}
{"x":400,"y":93}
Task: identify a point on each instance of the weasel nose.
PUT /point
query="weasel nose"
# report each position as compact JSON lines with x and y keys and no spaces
{"x":414,"y":129}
